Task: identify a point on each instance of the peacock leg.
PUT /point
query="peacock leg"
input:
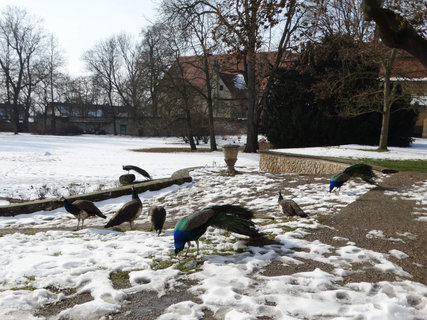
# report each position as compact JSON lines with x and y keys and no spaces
{"x":131,"y":225}
{"x":188,"y":248}
{"x":197,"y":244}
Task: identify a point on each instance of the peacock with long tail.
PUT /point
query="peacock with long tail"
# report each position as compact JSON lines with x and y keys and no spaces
{"x":361,"y":170}
{"x":232,"y":218}
{"x":137,"y":169}
{"x":82,"y":209}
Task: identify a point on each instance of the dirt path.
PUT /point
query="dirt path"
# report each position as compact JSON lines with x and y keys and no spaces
{"x":379,"y":210}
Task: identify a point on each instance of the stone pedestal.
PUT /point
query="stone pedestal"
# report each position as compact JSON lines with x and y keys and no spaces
{"x":230,"y":157}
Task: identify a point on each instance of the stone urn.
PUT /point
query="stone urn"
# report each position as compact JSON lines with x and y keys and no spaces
{"x":230,"y":157}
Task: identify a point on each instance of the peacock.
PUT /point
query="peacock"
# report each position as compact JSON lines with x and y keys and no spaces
{"x":128,"y":213}
{"x":360,"y":170}
{"x":290,"y":207}
{"x":82,"y":209}
{"x":157,"y":217}
{"x":233,"y":218}
{"x":137,"y":169}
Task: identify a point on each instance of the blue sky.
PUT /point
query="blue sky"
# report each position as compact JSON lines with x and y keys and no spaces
{"x":79,"y":25}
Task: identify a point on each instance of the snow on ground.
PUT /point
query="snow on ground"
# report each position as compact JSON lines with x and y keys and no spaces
{"x":417,"y":151}
{"x":41,"y":268}
{"x":33,"y":166}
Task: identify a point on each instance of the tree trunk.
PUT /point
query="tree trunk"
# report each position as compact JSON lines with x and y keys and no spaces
{"x":252,"y":125}
{"x":190,"y":130}
{"x":211,"y":126}
{"x":15,"y":119}
{"x":113,"y":112}
{"x":387,"y":102}
{"x":395,"y":30}
{"x":53,"y":119}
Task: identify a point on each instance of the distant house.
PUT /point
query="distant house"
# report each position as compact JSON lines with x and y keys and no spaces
{"x":412,"y":76}
{"x":228,"y":88}
{"x":88,"y":118}
{"x":6,"y":111}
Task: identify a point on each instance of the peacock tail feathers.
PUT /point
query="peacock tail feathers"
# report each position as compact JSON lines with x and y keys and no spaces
{"x":360,"y":170}
{"x":232,"y":209}
{"x":234,"y":218}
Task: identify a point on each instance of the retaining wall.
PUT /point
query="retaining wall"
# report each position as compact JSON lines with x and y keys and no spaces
{"x":278,"y":162}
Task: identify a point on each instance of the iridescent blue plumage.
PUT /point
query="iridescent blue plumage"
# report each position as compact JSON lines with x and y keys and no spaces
{"x":230,"y":217}
{"x":360,"y":170}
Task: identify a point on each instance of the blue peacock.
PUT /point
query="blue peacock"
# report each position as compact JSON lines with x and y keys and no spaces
{"x":232,"y":218}
{"x":360,"y":170}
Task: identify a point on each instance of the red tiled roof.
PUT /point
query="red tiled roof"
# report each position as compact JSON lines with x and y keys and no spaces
{"x":407,"y":66}
{"x":228,"y":64}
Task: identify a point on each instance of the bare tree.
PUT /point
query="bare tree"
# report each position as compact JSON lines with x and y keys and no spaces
{"x":127,"y":79}
{"x":179,"y":89}
{"x":156,"y":57}
{"x":103,"y":61}
{"x":49,"y":89}
{"x":346,"y":17}
{"x":196,"y":29}
{"x":243,"y":26}
{"x":21,"y":39}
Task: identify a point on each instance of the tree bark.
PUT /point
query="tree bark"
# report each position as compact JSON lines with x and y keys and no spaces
{"x":190,"y":130}
{"x":395,"y":30}
{"x":252,"y":124}
{"x":387,"y":102}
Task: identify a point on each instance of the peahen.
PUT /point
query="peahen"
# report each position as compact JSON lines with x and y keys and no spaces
{"x":137,"y":169}
{"x":360,"y":170}
{"x":128,"y":213}
{"x":82,"y":209}
{"x":233,"y":218}
{"x":157,"y":217}
{"x":290,"y":207}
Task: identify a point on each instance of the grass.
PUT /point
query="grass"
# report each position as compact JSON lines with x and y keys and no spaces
{"x":28,"y":288}
{"x":120,"y":276}
{"x":399,"y":165}
{"x":189,"y":264}
{"x":162,"y":264}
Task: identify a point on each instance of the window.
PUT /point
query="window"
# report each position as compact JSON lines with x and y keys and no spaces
{"x":221,"y":87}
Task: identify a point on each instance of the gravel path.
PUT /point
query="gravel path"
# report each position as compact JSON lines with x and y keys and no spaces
{"x":378,"y":210}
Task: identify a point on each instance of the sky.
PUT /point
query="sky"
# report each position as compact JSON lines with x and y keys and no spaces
{"x":49,"y":265}
{"x":79,"y":25}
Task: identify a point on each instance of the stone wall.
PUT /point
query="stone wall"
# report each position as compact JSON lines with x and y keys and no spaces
{"x":277,"y":162}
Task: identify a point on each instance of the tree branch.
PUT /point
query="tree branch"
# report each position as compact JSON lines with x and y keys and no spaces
{"x":395,"y":30}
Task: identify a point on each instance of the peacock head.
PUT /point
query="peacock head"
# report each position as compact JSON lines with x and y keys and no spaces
{"x":179,"y":247}
{"x":333,"y":184}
